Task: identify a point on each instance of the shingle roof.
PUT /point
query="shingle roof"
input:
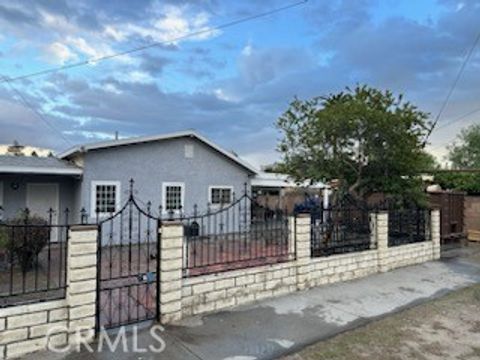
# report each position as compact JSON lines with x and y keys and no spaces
{"x":37,"y":165}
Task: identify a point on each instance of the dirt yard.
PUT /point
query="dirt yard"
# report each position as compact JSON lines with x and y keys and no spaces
{"x":447,"y":328}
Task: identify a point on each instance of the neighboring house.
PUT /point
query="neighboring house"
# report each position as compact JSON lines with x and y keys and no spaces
{"x":18,"y":149}
{"x":39,"y":183}
{"x":280,"y":190}
{"x":174,"y":172}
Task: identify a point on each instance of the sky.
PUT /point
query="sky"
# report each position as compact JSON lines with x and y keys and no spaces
{"x":230,"y":84}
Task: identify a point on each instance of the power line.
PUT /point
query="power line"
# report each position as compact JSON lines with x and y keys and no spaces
{"x":154,"y":44}
{"x":463,"y":117}
{"x":28,"y":104}
{"x":458,"y":119}
{"x":454,"y":85}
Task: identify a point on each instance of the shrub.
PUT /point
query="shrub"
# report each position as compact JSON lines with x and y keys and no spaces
{"x":28,"y":239}
{"x":468,"y":182}
{"x":3,"y":246}
{"x":3,"y":238}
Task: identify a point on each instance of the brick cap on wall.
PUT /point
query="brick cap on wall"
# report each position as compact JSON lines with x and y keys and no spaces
{"x":83,"y":227}
{"x":303,"y":215}
{"x":171,"y":223}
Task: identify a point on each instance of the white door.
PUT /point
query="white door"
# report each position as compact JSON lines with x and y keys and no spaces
{"x":40,"y":199}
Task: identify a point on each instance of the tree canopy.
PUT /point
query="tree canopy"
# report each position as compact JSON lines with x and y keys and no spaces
{"x":465,"y":154}
{"x":371,"y":140}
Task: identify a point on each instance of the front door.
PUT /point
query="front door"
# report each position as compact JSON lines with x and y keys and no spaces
{"x":40,"y":199}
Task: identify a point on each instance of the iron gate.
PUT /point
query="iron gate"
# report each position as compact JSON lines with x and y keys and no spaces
{"x":128,"y":274}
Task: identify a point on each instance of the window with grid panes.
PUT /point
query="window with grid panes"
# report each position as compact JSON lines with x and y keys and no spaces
{"x":106,"y":196}
{"x":173,"y":197}
{"x":221,"y":196}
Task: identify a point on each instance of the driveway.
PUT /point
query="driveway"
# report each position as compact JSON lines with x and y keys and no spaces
{"x":277,"y":327}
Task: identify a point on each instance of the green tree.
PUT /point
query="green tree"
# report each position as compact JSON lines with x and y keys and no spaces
{"x":466,"y":153}
{"x":371,"y":140}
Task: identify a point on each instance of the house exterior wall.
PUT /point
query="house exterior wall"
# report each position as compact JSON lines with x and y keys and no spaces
{"x":151,"y":164}
{"x":15,"y":199}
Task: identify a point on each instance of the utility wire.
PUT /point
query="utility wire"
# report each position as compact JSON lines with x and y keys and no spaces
{"x":154,"y":44}
{"x":454,"y":85}
{"x":458,"y":119}
{"x":28,"y":104}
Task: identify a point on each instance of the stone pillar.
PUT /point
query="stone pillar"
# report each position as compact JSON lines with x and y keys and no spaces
{"x":381,"y":234}
{"x":303,"y":247}
{"x":435,"y":233}
{"x":82,"y":282}
{"x":170,"y":266}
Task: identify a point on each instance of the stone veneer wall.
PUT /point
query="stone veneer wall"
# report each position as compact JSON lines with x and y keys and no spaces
{"x":24,"y":328}
{"x":201,"y":294}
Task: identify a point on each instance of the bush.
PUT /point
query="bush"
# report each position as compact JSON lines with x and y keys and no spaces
{"x":468,"y":182}
{"x":3,"y":238}
{"x":3,"y":247}
{"x":28,"y":239}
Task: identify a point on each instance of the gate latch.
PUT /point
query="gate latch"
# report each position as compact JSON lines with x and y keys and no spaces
{"x":148,"y":277}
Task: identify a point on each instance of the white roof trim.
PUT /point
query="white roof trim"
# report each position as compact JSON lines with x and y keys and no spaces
{"x":145,"y":139}
{"x":39,"y":170}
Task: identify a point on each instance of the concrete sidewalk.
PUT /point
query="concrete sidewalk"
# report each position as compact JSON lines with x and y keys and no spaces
{"x":272,"y":328}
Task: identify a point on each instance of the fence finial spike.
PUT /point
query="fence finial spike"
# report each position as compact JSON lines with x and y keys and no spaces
{"x":132,"y":182}
{"x":83,"y":216}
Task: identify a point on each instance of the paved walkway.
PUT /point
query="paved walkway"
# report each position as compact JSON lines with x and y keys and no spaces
{"x":272,"y":328}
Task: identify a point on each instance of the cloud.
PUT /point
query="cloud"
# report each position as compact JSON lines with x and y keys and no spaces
{"x":58,"y":53}
{"x":174,"y":21}
{"x":153,"y":64}
{"x":232,"y":87}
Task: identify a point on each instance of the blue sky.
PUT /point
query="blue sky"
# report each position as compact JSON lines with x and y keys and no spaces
{"x":230,"y":85}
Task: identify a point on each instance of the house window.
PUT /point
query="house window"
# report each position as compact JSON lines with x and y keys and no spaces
{"x":105,"y":197}
{"x":221,"y":195}
{"x":173,"y":196}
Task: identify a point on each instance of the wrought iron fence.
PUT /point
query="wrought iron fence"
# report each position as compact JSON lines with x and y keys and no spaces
{"x":340,"y":229}
{"x":128,"y":270}
{"x":33,"y":258}
{"x":408,"y":225}
{"x":240,"y":235}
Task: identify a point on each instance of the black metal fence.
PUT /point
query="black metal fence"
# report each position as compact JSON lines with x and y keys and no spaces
{"x":340,"y":229}
{"x":128,"y":270}
{"x":33,"y":258}
{"x":408,"y":225}
{"x":239,"y":235}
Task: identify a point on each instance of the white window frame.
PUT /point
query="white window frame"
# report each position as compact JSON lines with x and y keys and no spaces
{"x":211,"y":187}
{"x":93,"y":196}
{"x":164,"y":196}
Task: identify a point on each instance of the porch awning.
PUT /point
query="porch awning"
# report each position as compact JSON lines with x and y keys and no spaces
{"x":11,"y":164}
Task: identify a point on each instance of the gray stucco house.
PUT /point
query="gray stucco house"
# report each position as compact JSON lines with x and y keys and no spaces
{"x":172,"y":171}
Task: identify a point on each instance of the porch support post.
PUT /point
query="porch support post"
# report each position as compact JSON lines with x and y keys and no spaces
{"x":435,"y":233}
{"x":82,"y":282}
{"x":171,"y":263}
